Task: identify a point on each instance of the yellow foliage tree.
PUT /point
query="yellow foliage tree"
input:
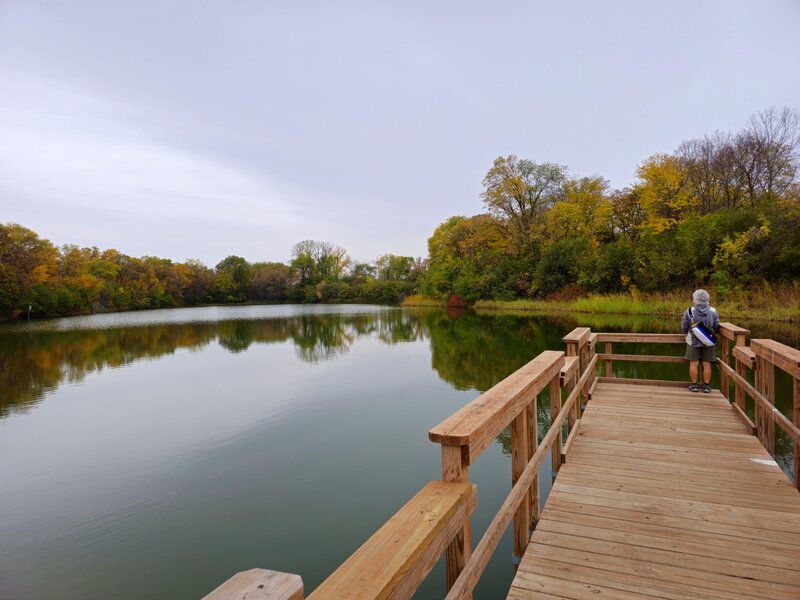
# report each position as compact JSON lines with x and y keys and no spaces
{"x":663,"y":192}
{"x":584,"y":212}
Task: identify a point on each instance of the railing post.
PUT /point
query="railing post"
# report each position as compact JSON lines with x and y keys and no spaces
{"x":555,"y":408}
{"x":723,"y":376}
{"x":572,"y":350}
{"x":608,"y":361}
{"x":590,"y":356}
{"x":260,"y":584}
{"x":584,"y":395}
{"x":532,"y":416}
{"x":569,"y":384}
{"x":765,"y":384}
{"x":519,"y":459}
{"x":741,"y":369}
{"x":455,"y":468}
{"x":740,"y":340}
{"x":796,"y":421}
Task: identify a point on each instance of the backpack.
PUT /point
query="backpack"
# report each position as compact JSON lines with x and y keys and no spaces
{"x":700,"y":331}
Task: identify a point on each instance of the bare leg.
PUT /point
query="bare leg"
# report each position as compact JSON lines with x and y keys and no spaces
{"x":693,"y":370}
{"x":706,"y":372}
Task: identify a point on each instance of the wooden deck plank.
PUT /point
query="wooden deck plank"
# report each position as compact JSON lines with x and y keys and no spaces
{"x":683,"y":560}
{"x":629,"y":583}
{"x":644,"y":513}
{"x":779,"y":500}
{"x":664,"y":495}
{"x":652,"y":573}
{"x":675,"y":530}
{"x":713,"y":479}
{"x":677,"y":456}
{"x":740,"y":551}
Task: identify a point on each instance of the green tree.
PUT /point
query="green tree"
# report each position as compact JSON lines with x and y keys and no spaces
{"x":234,"y":274}
{"x":518,"y":191}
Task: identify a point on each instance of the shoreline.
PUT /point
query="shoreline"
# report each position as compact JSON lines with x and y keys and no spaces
{"x":775,"y":311}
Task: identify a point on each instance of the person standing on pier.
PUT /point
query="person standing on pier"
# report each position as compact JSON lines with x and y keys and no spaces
{"x":700,"y":323}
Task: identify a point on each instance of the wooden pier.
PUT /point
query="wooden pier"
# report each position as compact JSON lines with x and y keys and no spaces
{"x":658,"y":492}
{"x":665,"y":494}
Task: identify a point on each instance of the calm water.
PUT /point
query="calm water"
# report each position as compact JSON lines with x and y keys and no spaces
{"x":154,"y":454}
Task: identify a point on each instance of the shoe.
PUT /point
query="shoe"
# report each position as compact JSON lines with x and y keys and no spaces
{"x":693,"y":388}
{"x":706,"y":388}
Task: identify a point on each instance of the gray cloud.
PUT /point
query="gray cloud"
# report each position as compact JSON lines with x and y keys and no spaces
{"x":207,"y":128}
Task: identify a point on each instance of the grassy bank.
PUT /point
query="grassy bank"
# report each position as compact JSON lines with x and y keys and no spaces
{"x":765,"y":303}
{"x":417,"y":300}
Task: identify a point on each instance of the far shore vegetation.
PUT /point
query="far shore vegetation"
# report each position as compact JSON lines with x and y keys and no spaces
{"x":764,"y":303}
{"x":721,"y":212}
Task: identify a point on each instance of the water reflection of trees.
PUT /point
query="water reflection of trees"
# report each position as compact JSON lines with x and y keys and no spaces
{"x":470,"y":351}
{"x":37,"y":362}
{"x":476,"y":351}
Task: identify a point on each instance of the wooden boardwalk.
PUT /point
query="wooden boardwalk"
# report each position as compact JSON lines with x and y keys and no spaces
{"x":659,"y":492}
{"x":664,"y":494}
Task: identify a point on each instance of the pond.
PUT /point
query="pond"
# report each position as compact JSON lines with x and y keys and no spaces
{"x":154,"y":454}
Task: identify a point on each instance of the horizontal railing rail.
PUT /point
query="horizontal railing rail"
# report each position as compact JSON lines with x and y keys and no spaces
{"x":398,"y":557}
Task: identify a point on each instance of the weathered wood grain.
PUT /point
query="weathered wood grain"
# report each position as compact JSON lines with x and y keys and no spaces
{"x":259,"y":584}
{"x":393,"y":562}
{"x":477,"y":424}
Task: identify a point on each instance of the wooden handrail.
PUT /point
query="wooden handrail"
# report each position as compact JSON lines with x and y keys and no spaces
{"x":745,"y":355}
{"x":732,"y":332}
{"x":634,"y":381}
{"x":642,"y":358}
{"x":579,"y":336}
{"x":397,"y":558}
{"x":476,"y":425}
{"x":648,"y":338}
{"x":785,"y":424}
{"x":475,"y":566}
{"x":780,"y":355}
{"x":569,"y":370}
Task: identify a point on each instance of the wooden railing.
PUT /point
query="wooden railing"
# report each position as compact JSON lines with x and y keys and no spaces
{"x":762,"y":357}
{"x":513,"y":402}
{"x":398,"y":557}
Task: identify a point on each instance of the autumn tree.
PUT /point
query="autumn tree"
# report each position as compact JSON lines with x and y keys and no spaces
{"x":663,"y":192}
{"x":585,"y":210}
{"x":269,"y":281}
{"x":233,"y":278}
{"x":27,"y":262}
{"x":518,"y":191}
{"x":201,"y":283}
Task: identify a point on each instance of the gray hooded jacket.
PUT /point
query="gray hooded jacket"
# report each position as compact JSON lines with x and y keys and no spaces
{"x":703,"y":313}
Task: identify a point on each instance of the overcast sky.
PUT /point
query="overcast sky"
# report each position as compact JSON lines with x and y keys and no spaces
{"x":202,"y":129}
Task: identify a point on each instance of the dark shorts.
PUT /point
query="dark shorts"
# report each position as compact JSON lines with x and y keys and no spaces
{"x":704,"y":353}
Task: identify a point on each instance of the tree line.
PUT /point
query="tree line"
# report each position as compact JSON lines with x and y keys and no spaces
{"x":722,"y":210}
{"x":70,"y":280}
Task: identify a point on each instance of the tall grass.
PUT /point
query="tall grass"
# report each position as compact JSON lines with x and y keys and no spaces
{"x":775,"y":303}
{"x":418,"y":300}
